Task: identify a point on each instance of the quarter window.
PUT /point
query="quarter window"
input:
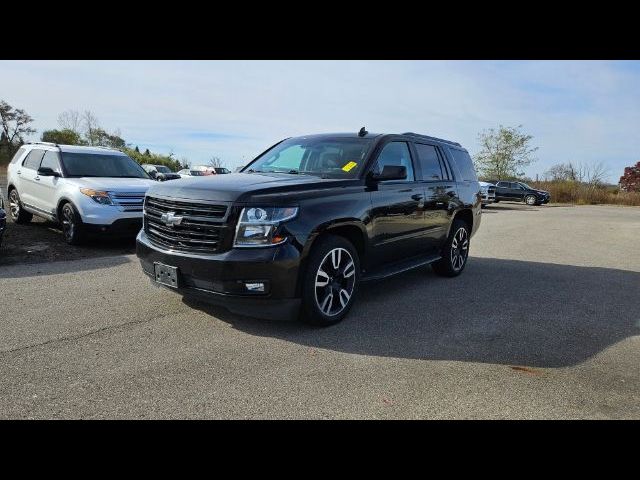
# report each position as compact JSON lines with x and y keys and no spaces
{"x":396,"y":154}
{"x":429,"y":162}
{"x":465,"y":164}
{"x":33,"y":159}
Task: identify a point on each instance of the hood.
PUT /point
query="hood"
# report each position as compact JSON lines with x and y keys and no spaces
{"x":241,"y":187}
{"x":113,"y":184}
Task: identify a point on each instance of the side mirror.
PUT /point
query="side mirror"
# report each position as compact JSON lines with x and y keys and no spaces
{"x":391,"y":172}
{"x":47,"y":172}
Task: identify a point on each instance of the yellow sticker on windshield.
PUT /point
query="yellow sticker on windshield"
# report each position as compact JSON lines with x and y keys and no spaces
{"x":349,"y":166}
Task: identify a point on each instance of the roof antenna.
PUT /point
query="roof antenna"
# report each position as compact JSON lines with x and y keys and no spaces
{"x":362,"y":132}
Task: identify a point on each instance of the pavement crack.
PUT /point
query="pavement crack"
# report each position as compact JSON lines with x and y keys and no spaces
{"x":87,"y":334}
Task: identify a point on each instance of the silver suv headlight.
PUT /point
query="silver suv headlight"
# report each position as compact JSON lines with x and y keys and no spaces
{"x":257,"y":226}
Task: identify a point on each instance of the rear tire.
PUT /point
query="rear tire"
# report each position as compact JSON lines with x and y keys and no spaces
{"x":72,"y":227}
{"x":17,"y":212}
{"x":330,"y":282}
{"x":455,"y":251}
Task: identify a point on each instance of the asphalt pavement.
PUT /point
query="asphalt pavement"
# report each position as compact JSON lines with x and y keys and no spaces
{"x":543,"y":323}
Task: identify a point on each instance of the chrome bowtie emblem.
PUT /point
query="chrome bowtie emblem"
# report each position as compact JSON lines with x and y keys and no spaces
{"x":170,"y":219}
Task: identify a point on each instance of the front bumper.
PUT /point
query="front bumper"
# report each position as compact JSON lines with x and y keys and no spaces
{"x":123,"y":227}
{"x":220,"y":278}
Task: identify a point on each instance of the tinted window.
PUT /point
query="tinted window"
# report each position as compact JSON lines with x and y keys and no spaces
{"x":516,"y":186}
{"x":101,"y":165}
{"x":33,"y":159}
{"x":18,"y":154}
{"x":503,"y":185}
{"x":50,"y":160}
{"x":464,"y":163}
{"x":396,"y":153}
{"x":429,"y":162}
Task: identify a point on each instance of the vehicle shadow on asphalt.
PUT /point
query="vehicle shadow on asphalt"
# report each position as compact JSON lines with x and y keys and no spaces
{"x":498,"y":311}
{"x":41,"y":241}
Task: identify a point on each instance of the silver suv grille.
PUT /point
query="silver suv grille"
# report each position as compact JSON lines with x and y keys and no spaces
{"x":198,"y":230}
{"x":128,"y":201}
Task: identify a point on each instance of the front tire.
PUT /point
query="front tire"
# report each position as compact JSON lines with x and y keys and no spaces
{"x":18,"y":214}
{"x":530,"y":200}
{"x":72,"y":227}
{"x":331,"y":281}
{"x":455,"y":251}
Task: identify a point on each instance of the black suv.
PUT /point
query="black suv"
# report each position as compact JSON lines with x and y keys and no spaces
{"x":520,"y":192}
{"x":300,"y":227}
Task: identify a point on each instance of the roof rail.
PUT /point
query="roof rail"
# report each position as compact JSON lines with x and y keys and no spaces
{"x":427,"y":137}
{"x":43,"y":143}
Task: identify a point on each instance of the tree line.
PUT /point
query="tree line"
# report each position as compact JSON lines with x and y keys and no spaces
{"x":504,"y":151}
{"x":74,"y":128}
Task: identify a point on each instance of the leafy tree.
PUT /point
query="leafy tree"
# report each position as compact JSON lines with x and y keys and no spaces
{"x":630,"y":180}
{"x":504,"y":153}
{"x":15,"y":127}
{"x":64,"y":137}
{"x":104,"y":139}
{"x":137,"y":149}
{"x":147,"y":153}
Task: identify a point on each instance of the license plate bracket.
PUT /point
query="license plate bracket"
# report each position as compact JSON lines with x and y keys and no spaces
{"x":166,"y":274}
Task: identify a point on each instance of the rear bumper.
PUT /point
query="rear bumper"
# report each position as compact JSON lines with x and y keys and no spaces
{"x":221,"y":279}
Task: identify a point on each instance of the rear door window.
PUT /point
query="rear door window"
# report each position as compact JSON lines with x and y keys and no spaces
{"x":18,"y":154}
{"x":33,"y":159}
{"x":429,"y":162}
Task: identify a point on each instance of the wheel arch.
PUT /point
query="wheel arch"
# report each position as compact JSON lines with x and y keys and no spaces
{"x":352,"y":230}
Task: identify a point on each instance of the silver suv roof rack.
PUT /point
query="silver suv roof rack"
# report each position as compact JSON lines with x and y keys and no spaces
{"x":427,"y":137}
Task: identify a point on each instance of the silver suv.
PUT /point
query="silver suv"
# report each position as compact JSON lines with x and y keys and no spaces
{"x":85,"y":189}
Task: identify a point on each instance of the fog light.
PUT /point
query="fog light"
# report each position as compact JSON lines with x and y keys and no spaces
{"x":255,"y":287}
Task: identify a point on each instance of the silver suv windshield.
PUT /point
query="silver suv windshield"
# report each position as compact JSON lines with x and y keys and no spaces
{"x":78,"y":164}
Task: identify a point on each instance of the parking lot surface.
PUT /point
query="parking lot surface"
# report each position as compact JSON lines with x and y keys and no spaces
{"x":543,"y":323}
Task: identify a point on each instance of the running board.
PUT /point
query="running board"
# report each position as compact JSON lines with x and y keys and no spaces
{"x":400,"y":267}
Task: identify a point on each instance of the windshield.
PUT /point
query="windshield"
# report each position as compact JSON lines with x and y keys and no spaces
{"x":101,"y":165}
{"x":163,"y":169}
{"x":221,"y":170}
{"x":197,"y":173}
{"x":525,"y":186}
{"x":325,"y":157}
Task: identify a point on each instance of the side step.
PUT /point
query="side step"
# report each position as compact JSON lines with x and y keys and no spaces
{"x":400,"y":267}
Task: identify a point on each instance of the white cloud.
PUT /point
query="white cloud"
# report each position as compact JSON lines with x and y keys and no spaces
{"x":581,"y":111}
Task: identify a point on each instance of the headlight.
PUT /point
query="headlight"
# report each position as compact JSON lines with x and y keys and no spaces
{"x":257,"y":225}
{"x":102,"y":198}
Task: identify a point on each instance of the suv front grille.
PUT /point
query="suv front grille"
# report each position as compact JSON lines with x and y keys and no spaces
{"x":128,"y":201}
{"x":200,"y":229}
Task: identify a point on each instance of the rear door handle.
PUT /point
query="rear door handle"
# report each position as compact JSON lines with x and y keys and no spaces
{"x":18,"y":172}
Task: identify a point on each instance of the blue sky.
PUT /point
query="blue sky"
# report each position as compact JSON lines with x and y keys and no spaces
{"x":583,"y":111}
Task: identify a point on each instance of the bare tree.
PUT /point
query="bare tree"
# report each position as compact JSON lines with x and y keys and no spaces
{"x":91,"y":125}
{"x":596,"y":174}
{"x":216,"y":162}
{"x":70,"y":120}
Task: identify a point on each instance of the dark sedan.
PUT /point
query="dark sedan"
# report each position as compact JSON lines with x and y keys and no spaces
{"x":520,"y":192}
